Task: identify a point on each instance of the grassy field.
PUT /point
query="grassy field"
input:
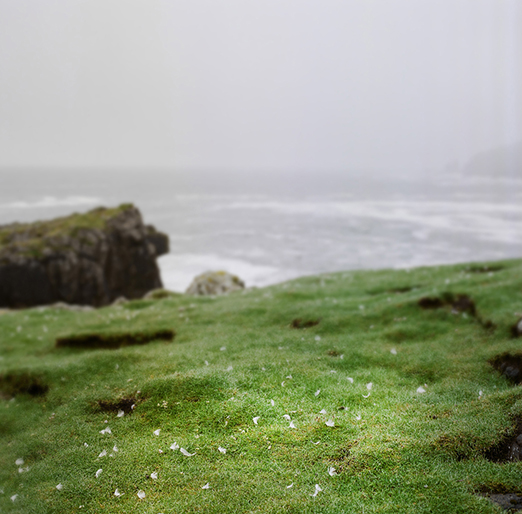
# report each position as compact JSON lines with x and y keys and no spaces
{"x":336,"y":393}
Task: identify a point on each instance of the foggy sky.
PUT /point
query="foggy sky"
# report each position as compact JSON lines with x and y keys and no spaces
{"x":258,"y":84}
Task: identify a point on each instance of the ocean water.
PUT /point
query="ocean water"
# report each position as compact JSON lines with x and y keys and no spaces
{"x":270,"y":227}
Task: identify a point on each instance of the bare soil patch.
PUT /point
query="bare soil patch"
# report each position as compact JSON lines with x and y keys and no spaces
{"x":125,"y":404}
{"x":459,"y":304}
{"x":113,"y":341}
{"x":510,"y":365}
{"x":483,"y":269}
{"x":304,"y":323}
{"x":12,"y":384}
{"x":510,"y":502}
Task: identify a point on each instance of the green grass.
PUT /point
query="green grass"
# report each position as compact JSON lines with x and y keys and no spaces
{"x":409,"y":452}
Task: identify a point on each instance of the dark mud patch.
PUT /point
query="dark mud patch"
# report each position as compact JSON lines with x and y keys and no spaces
{"x":126,"y":405}
{"x":304,"y":323}
{"x":403,"y":289}
{"x":13,"y":384}
{"x":333,"y":353}
{"x":113,"y":341}
{"x":510,"y":365}
{"x":510,"y":502}
{"x":430,"y":302}
{"x":516,"y":329}
{"x":458,"y":304}
{"x":509,"y":448}
{"x":506,"y":497}
{"x":483,"y":269}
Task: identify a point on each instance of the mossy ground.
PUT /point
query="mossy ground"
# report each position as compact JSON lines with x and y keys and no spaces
{"x":395,"y":451}
{"x":36,"y":235}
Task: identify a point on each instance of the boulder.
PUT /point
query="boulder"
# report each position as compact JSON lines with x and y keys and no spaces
{"x":83,"y":259}
{"x":213,"y":283}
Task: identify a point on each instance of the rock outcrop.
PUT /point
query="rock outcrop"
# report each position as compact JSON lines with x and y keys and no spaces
{"x":215,"y":283}
{"x":83,"y":259}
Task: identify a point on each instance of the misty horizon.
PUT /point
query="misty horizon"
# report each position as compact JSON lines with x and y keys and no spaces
{"x":238,"y":85}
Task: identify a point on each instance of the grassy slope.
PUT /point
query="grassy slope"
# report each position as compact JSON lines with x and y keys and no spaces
{"x":409,"y":452}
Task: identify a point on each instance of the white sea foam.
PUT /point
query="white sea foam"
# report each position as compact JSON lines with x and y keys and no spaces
{"x":177,"y":271}
{"x":489,"y":221}
{"x":52,"y":201}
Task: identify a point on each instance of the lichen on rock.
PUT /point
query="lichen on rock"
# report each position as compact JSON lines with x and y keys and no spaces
{"x":215,"y":283}
{"x":84,"y":259}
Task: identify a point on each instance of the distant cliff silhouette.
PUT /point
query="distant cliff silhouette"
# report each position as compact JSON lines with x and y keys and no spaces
{"x":503,"y":161}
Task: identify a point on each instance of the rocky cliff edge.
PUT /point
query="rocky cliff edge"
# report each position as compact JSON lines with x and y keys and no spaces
{"x":85,"y":259}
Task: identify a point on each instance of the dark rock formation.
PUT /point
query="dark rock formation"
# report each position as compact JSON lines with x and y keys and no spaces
{"x":83,"y":259}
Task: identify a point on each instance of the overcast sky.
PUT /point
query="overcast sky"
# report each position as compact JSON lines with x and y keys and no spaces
{"x":257,"y":84}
